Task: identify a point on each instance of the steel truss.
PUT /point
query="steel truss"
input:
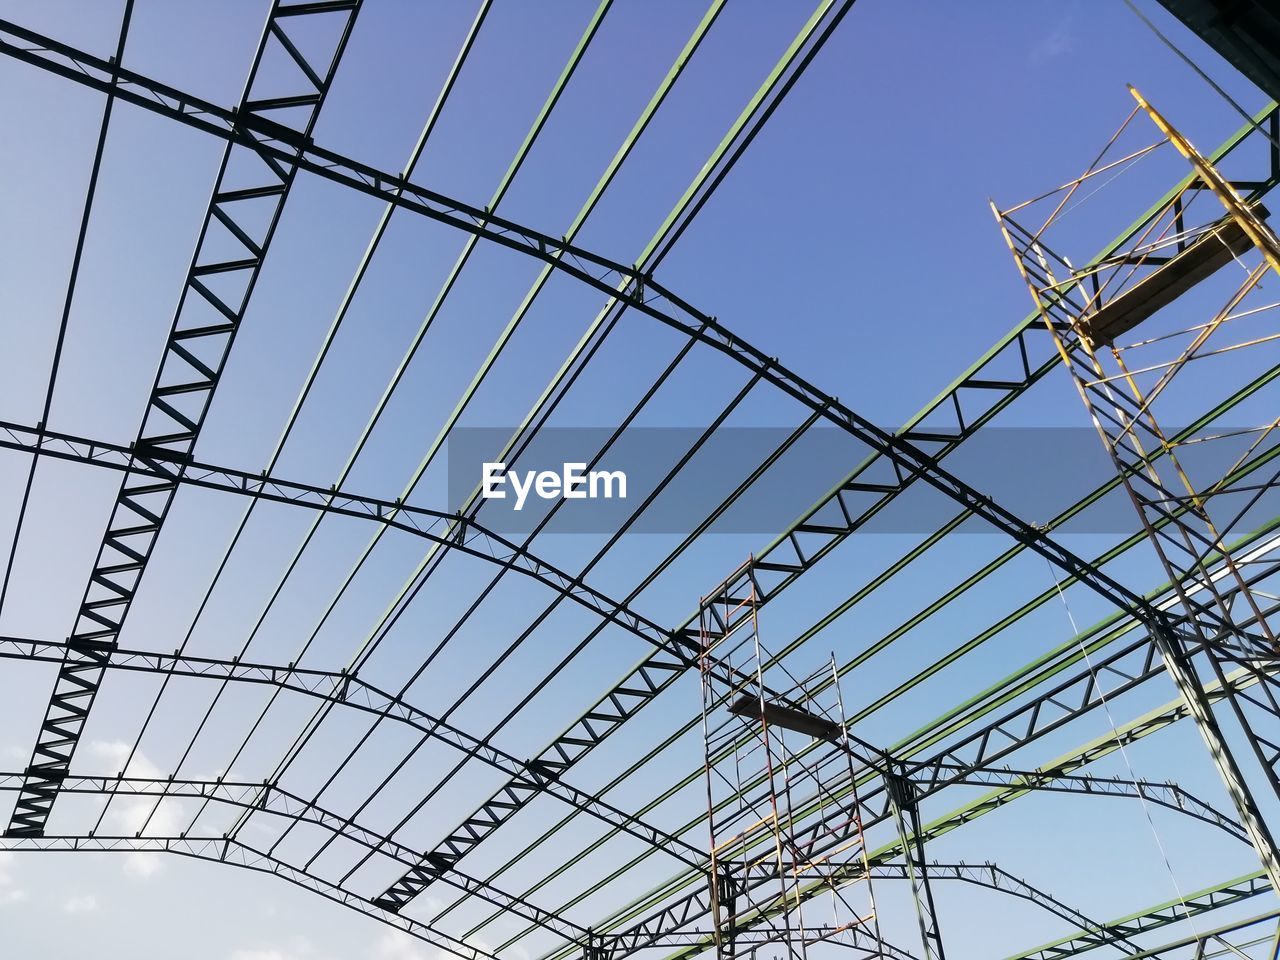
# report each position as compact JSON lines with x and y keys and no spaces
{"x":831,"y":790}
{"x":908,"y":461}
{"x":341,"y":687}
{"x":447,"y":529}
{"x":1091,"y":312}
{"x":236,"y":853}
{"x":983,"y":748}
{"x":1167,"y":795}
{"x":210,"y":309}
{"x":1192,"y":905}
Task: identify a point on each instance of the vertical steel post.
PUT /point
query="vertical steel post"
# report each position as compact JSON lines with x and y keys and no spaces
{"x":906,"y":815}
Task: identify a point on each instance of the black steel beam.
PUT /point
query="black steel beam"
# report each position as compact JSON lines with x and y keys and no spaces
{"x":909,"y":462}
{"x":989,"y":876}
{"x":73,"y":277}
{"x":272,"y":799}
{"x":1167,"y":795}
{"x":993,"y":877}
{"x":210,"y":309}
{"x":459,"y":533}
{"x":343,"y":688}
{"x":236,"y":853}
{"x":904,"y":803}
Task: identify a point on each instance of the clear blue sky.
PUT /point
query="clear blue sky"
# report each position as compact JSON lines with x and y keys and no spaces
{"x":854,"y":242}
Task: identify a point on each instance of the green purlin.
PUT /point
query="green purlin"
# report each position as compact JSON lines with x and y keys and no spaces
{"x":1168,"y":905}
{"x":649,"y":900}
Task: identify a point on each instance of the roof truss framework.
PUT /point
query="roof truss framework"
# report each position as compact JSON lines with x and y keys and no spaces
{"x":194,"y":355}
{"x":274,"y":132}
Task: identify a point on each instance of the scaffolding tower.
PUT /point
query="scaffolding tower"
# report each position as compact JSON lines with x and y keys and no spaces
{"x":784,"y":816}
{"x":1193,"y":278}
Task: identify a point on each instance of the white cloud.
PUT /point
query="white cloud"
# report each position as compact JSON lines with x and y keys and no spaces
{"x":115,"y":753}
{"x":130,"y":815}
{"x":144,"y":865}
{"x":81,"y":904}
{"x":1059,"y":42}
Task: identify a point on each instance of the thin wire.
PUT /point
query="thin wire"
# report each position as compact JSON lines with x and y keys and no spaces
{"x":1113,"y":178}
{"x":1200,"y":72}
{"x":1124,"y":752}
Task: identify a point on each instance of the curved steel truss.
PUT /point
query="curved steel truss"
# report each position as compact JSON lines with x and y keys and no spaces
{"x":519,"y":777}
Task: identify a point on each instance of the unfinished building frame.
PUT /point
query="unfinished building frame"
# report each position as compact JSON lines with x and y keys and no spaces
{"x":811,"y":828}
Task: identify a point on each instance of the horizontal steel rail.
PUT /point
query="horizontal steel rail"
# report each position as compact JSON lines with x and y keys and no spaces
{"x":272,"y":799}
{"x":1197,"y":904}
{"x":344,"y":688}
{"x":459,"y":533}
{"x":909,"y":462}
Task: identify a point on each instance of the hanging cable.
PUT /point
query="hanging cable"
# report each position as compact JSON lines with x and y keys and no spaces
{"x":1200,"y":72}
{"x":1124,"y":752}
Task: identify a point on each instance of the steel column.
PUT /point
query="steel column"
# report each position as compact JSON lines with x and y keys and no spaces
{"x":904,"y":803}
